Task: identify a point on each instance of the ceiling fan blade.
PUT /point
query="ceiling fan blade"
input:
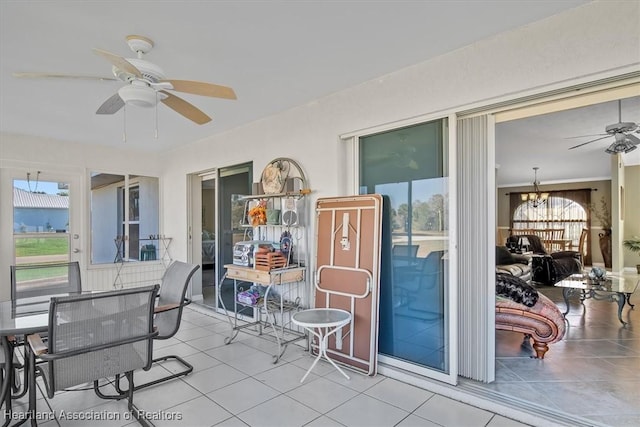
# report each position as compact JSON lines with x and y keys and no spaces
{"x":588,"y":142}
{"x":184,"y":108}
{"x":633,"y":139}
{"x":60,"y":76}
{"x":111,"y":105}
{"x":202,"y":88}
{"x":586,"y":136}
{"x":118,"y":61}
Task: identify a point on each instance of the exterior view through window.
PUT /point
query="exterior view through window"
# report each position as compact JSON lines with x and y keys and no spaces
{"x":409,"y":167}
{"x":40,"y":230}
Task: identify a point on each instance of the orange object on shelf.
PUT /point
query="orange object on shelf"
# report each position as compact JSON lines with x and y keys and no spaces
{"x":269,"y":261}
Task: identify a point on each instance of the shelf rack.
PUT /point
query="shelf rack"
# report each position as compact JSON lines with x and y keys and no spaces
{"x":268,"y":307}
{"x":164,"y":256}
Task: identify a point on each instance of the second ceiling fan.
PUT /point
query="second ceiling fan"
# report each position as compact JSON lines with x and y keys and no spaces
{"x":147,"y":84}
{"x":624,"y":142}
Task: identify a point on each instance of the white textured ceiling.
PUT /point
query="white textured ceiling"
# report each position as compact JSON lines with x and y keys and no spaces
{"x":544,"y":141}
{"x":275,"y":54}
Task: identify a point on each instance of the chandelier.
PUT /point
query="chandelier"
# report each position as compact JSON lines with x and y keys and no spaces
{"x":536,"y":197}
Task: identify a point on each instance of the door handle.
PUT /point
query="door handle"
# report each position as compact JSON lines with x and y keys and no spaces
{"x":76,"y":250}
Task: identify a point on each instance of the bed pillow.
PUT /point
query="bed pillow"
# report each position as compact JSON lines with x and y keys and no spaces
{"x":516,"y":289}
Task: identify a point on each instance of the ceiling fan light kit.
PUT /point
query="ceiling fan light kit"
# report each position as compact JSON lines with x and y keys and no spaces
{"x":621,"y":147}
{"x":138,"y":95}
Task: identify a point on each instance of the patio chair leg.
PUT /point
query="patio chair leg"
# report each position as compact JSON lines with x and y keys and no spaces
{"x":119,"y":396}
{"x":137,"y":414}
{"x":188,"y":369}
{"x":18,"y":392}
{"x":31,"y":366}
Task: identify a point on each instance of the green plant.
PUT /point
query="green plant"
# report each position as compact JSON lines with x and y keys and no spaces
{"x":603,"y":215}
{"x":632,"y":244}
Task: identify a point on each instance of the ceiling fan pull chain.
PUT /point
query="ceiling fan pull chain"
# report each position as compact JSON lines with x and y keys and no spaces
{"x":124,"y":124}
{"x":157,"y":96}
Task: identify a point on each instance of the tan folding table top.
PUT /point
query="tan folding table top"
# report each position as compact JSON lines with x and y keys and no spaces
{"x":348,"y":237}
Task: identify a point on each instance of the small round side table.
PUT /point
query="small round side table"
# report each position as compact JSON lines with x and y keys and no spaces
{"x":326,"y":321}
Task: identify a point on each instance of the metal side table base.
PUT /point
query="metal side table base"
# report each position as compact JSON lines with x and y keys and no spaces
{"x":327,"y":321}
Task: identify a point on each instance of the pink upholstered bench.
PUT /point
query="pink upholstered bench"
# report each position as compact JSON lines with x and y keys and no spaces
{"x":543,"y":322}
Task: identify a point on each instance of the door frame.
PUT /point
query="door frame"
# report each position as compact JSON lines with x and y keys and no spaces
{"x":77,"y":208}
{"x":194,"y":227}
{"x":390,"y":366}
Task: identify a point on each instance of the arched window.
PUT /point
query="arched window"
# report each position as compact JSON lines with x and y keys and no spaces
{"x":558,"y":213}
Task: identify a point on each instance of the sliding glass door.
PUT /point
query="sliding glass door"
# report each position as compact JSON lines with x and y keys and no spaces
{"x":409,"y":166}
{"x":232,"y":182}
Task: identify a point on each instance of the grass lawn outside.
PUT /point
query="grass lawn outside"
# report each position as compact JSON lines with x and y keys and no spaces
{"x":34,"y":246}
{"x":32,"y":274}
{"x":40,"y":246}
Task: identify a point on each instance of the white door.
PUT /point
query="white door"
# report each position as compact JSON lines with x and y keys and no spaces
{"x":40,"y":219}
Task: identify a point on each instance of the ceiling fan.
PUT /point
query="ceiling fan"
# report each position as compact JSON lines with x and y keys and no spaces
{"x":624,"y":142}
{"x":146,"y":83}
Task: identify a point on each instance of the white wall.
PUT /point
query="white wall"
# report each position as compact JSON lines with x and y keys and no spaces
{"x":574,"y":47}
{"x":28,"y":153}
{"x":593,"y":41}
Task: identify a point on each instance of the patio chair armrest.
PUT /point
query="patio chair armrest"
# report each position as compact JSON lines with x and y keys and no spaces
{"x":38,"y":347}
{"x":166,"y":307}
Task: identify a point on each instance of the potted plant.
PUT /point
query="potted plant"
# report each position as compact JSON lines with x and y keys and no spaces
{"x":633,"y":245}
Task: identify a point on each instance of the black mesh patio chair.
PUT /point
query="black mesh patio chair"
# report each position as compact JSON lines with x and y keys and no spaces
{"x":94,"y":336}
{"x":168,"y":314}
{"x":33,"y":281}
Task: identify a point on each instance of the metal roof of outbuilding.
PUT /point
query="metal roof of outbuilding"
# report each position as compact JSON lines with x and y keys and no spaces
{"x":26,"y":199}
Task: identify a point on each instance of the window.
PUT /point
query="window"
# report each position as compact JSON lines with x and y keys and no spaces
{"x":40,"y":221}
{"x":564,"y":210}
{"x":124,"y":218}
{"x":409,"y":167}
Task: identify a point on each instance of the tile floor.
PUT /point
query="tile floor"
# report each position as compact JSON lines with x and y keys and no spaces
{"x":592,"y":376}
{"x":238,"y":385}
{"x":593,"y":373}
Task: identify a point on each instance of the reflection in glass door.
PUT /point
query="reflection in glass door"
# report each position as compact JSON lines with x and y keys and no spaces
{"x":409,"y":167}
